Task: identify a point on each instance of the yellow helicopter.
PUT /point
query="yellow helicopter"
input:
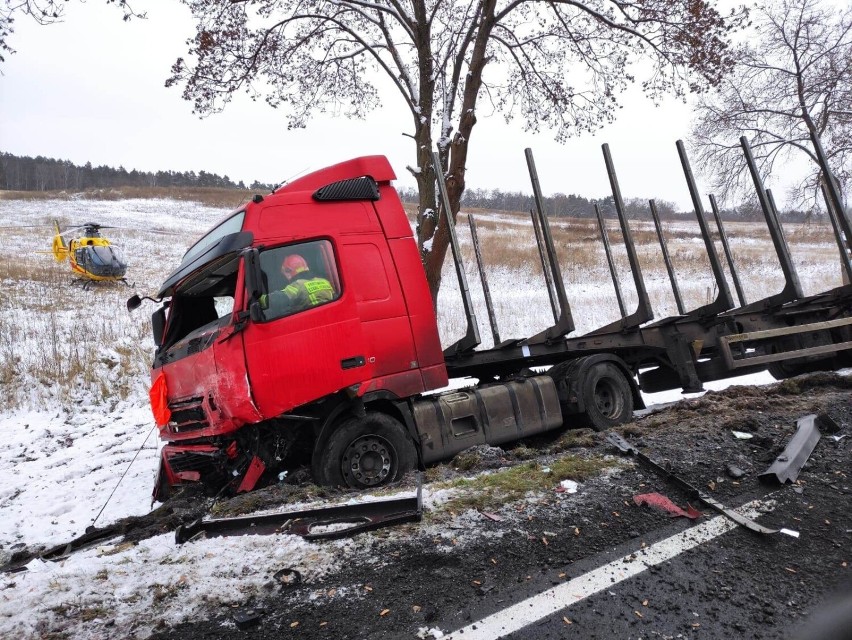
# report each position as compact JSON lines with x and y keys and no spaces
{"x":92,"y":257}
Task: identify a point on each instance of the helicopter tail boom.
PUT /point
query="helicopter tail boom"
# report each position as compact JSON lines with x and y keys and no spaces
{"x":60,"y":249}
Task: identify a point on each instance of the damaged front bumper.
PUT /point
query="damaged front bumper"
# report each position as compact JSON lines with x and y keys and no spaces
{"x":216,"y":467}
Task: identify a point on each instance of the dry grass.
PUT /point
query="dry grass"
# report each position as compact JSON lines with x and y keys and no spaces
{"x":494,"y":490}
{"x":60,"y":342}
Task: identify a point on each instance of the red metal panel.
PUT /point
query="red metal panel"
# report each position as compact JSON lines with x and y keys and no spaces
{"x":418,"y":299}
{"x":391,"y":214}
{"x":377,"y":167}
{"x":255,"y":470}
{"x":312,"y":219}
{"x":403,"y":385}
{"x":297,"y":359}
{"x":434,"y":377}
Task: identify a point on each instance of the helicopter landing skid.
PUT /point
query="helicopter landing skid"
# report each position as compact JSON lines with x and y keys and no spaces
{"x":87,"y":283}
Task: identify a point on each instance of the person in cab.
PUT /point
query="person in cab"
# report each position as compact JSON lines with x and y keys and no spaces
{"x":304,"y":289}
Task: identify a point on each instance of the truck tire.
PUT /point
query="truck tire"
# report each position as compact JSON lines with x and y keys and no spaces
{"x":607,"y":396}
{"x":365,"y":452}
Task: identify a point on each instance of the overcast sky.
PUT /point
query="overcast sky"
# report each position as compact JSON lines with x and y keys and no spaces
{"x":92,"y":89}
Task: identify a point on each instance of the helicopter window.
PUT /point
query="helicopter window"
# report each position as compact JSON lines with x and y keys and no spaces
{"x":313,"y":278}
{"x":231,"y":225}
{"x":102,"y":256}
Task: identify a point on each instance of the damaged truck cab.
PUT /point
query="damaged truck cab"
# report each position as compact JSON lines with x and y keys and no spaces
{"x":242,"y":386}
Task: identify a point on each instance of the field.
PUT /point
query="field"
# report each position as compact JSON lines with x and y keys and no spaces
{"x":62,"y":345}
{"x":74,"y":380}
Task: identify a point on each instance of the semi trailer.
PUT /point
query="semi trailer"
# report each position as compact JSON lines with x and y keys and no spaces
{"x":355,"y":384}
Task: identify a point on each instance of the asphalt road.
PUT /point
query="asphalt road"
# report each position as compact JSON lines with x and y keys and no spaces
{"x":555,"y":549}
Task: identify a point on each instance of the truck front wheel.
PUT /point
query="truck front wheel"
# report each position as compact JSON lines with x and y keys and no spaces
{"x":366,"y":452}
{"x":607,"y":396}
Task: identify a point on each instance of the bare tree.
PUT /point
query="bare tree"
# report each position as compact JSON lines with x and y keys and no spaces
{"x":558,"y":64}
{"x":792,"y":80}
{"x":43,"y":12}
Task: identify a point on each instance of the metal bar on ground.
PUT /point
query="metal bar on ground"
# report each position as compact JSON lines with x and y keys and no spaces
{"x":314,"y":524}
{"x":666,"y":258}
{"x":727,"y":249}
{"x":787,"y":466}
{"x":539,"y":241}
{"x":838,"y":232}
{"x":610,"y":261}
{"x":486,"y":291}
{"x":565,"y":324}
{"x":723,"y":300}
{"x":471,"y":339}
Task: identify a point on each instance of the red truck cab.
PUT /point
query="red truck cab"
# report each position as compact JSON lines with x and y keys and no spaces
{"x":244,"y":381}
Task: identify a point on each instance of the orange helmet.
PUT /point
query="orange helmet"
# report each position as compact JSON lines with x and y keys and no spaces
{"x":293,"y":264}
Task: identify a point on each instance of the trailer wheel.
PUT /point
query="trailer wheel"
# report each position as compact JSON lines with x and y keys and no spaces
{"x":366,"y":452}
{"x":607,"y":396}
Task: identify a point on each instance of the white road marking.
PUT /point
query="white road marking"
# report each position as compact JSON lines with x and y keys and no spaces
{"x":564,"y":595}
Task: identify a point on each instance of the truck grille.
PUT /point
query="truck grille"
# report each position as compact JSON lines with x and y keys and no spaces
{"x":188,"y":415}
{"x":193,"y":461}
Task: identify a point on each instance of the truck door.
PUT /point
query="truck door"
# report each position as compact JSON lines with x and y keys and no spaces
{"x":308,"y":341}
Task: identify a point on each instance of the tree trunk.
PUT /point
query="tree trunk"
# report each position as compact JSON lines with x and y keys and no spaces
{"x":455,"y":158}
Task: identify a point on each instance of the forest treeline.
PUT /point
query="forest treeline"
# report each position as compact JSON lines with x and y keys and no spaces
{"x":23,"y":173}
{"x":576,"y":206}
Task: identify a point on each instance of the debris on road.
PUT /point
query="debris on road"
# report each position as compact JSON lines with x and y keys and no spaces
{"x":662,"y":503}
{"x":246,"y":618}
{"x":314,"y":524}
{"x":787,"y":466}
{"x":567,"y":486}
{"x":491,"y":516}
{"x":742,"y":435}
{"x":625,"y":447}
{"x":734,"y":471}
{"x":287,"y":577}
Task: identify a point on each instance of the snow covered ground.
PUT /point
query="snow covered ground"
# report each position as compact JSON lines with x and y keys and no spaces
{"x":78,"y":442}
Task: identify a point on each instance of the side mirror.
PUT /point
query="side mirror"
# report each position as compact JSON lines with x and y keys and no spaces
{"x":256,"y":312}
{"x":134,"y":302}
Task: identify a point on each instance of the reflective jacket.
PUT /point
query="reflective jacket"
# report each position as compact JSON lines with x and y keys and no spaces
{"x":304,"y":292}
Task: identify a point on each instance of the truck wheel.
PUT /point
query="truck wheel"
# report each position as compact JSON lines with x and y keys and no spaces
{"x":607,"y":396}
{"x":366,"y":452}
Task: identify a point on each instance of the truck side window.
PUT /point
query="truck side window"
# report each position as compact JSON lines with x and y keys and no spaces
{"x":298,"y":277}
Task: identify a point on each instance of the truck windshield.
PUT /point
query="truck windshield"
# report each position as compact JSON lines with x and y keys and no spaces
{"x":204,"y":300}
{"x":231,"y":225}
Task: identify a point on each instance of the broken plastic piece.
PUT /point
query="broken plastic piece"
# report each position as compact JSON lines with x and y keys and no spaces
{"x":246,"y":618}
{"x":567,"y":486}
{"x":662,"y":503}
{"x":742,"y":435}
{"x":787,"y":466}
